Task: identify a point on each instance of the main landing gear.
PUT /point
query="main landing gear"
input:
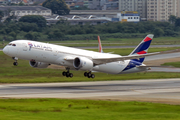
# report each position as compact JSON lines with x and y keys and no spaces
{"x":15,"y":63}
{"x":67,"y":74}
{"x":89,"y":75}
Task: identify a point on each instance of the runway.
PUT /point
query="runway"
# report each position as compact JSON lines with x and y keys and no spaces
{"x":160,"y":90}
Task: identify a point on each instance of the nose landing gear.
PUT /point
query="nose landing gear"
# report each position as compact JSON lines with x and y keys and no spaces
{"x":15,"y":63}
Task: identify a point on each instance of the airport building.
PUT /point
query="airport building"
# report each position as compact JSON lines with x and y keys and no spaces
{"x":3,"y":2}
{"x":129,"y":16}
{"x":98,"y":13}
{"x":160,"y":10}
{"x":20,"y":11}
{"x":79,"y":20}
{"x":114,"y":15}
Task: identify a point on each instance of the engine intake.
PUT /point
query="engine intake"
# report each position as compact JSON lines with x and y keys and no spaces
{"x":35,"y":64}
{"x":82,"y":63}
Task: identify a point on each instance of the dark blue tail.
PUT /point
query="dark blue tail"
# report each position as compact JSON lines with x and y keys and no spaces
{"x":142,"y":48}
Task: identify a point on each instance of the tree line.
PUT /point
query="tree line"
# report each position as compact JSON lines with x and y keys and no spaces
{"x":34,"y":27}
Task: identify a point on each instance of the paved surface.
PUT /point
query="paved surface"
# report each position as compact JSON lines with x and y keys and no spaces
{"x":154,"y":90}
{"x":164,"y":69}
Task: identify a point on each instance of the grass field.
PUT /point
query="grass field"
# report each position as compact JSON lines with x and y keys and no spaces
{"x":63,"y":109}
{"x":23,"y":73}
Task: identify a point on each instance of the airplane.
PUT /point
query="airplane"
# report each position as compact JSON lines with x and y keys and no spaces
{"x":41,"y":55}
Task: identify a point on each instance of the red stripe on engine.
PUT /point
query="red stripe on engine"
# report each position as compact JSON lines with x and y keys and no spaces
{"x":141,"y":52}
{"x":147,"y":39}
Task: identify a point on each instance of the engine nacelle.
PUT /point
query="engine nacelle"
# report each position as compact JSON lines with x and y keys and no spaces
{"x":82,"y":63}
{"x":35,"y":64}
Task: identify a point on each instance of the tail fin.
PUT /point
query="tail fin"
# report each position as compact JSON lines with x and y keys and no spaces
{"x":100,"y":46}
{"x":143,"y":47}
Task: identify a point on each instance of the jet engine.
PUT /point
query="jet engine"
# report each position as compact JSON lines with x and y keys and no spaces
{"x":82,"y":63}
{"x":35,"y":64}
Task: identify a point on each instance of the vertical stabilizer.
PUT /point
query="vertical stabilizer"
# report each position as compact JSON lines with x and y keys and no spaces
{"x":143,"y":47}
{"x":100,"y":46}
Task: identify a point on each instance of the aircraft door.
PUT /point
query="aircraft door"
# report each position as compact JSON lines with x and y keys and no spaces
{"x":25,"y":47}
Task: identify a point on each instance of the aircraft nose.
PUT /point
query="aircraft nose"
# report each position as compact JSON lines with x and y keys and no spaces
{"x":6,"y":50}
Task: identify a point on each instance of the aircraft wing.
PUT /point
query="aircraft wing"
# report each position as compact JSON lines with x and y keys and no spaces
{"x":99,"y":61}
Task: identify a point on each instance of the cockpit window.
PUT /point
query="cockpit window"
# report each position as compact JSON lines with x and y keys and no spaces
{"x":10,"y":44}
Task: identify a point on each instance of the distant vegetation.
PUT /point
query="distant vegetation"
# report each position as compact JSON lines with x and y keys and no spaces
{"x":29,"y":28}
{"x":57,"y":6}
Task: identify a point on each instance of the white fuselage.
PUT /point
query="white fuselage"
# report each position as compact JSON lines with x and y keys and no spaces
{"x":59,"y":55}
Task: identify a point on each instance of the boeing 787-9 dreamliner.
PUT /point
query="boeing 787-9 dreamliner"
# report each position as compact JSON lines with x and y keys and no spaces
{"x":41,"y":55}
